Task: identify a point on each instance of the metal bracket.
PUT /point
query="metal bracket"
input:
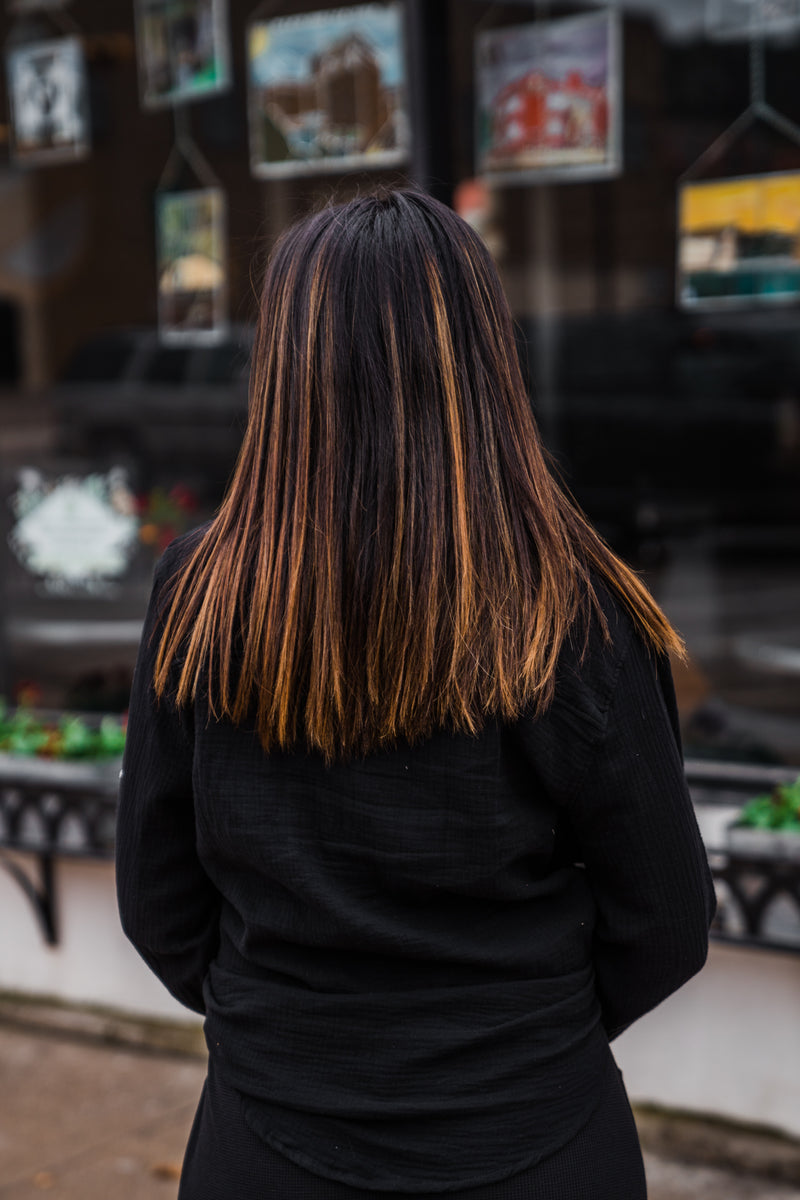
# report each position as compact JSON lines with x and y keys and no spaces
{"x":41,"y":894}
{"x":48,"y":810}
{"x":757,"y":110}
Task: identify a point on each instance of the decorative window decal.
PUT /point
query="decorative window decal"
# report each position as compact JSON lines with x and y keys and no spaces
{"x":77,"y":534}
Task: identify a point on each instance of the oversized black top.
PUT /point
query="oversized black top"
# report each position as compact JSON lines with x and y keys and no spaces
{"x":410,"y":965}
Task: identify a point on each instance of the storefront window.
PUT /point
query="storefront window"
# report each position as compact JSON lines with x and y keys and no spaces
{"x":658,"y":304}
{"x":635,"y":170}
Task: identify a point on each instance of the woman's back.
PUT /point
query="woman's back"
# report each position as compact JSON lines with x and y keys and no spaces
{"x":432,"y":931}
{"x":403,"y":810}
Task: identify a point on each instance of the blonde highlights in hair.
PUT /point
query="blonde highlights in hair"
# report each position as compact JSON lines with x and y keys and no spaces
{"x":393,"y":554}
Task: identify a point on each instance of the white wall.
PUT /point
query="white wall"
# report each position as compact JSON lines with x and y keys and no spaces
{"x":728,"y":1043}
{"x":93,"y":963}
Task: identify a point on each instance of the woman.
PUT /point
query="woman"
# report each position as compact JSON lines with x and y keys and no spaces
{"x":403,"y":810}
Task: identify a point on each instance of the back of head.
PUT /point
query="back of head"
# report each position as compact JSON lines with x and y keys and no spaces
{"x":393,"y":554}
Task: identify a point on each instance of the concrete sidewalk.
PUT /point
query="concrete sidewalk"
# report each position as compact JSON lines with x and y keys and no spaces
{"x":91,"y":1122}
{"x":80,"y":1120}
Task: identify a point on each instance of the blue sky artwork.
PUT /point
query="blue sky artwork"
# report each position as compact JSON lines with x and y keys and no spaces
{"x":281,"y":50}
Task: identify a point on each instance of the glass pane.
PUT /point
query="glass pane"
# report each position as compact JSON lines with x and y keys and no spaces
{"x":663,"y":357}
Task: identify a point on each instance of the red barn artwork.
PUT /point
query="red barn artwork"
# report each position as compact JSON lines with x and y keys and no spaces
{"x":536,"y":111}
{"x":548,"y":96}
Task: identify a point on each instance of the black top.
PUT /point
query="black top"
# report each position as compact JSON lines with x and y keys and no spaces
{"x":411,"y":964}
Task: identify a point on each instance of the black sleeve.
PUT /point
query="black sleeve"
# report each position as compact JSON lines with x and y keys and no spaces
{"x":641,"y":847}
{"x":168,"y":906}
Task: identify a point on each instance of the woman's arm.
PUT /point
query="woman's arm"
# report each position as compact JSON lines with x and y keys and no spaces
{"x":641,"y":847}
{"x":168,"y":906}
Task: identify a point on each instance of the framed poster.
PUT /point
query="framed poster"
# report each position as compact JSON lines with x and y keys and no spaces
{"x":48,"y":101}
{"x":327,"y":91}
{"x":739,"y":242}
{"x":548,"y":99}
{"x":183,"y":50}
{"x":192,"y":275}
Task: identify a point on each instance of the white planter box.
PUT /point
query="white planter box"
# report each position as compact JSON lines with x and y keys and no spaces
{"x":763,"y":843}
{"x":58,"y":806}
{"x":73,"y":774}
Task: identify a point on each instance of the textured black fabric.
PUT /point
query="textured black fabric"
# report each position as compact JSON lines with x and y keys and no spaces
{"x":225,"y":1160}
{"x":411,"y":964}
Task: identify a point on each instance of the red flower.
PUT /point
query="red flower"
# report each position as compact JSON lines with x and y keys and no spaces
{"x":27,"y":694}
{"x":184,"y":497}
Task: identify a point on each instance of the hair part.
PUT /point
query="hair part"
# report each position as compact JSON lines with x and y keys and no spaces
{"x":393,"y":553}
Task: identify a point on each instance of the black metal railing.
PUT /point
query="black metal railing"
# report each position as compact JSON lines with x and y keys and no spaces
{"x":757,"y":878}
{"x":51,"y":810}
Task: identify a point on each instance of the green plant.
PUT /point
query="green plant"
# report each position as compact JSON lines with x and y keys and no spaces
{"x":70,"y":737}
{"x":780,"y":809}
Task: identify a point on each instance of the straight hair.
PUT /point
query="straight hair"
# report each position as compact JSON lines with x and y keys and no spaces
{"x":393,"y":554}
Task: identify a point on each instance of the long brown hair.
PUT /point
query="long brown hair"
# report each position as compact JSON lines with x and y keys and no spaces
{"x":393,"y":553}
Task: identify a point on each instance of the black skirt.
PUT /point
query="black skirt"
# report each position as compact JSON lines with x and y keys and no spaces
{"x":226,"y":1160}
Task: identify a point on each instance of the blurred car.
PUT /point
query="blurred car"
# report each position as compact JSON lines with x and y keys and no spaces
{"x":168,"y":413}
{"x":665,"y":423}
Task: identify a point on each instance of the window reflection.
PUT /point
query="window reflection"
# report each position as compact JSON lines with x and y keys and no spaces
{"x":677,"y":428}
